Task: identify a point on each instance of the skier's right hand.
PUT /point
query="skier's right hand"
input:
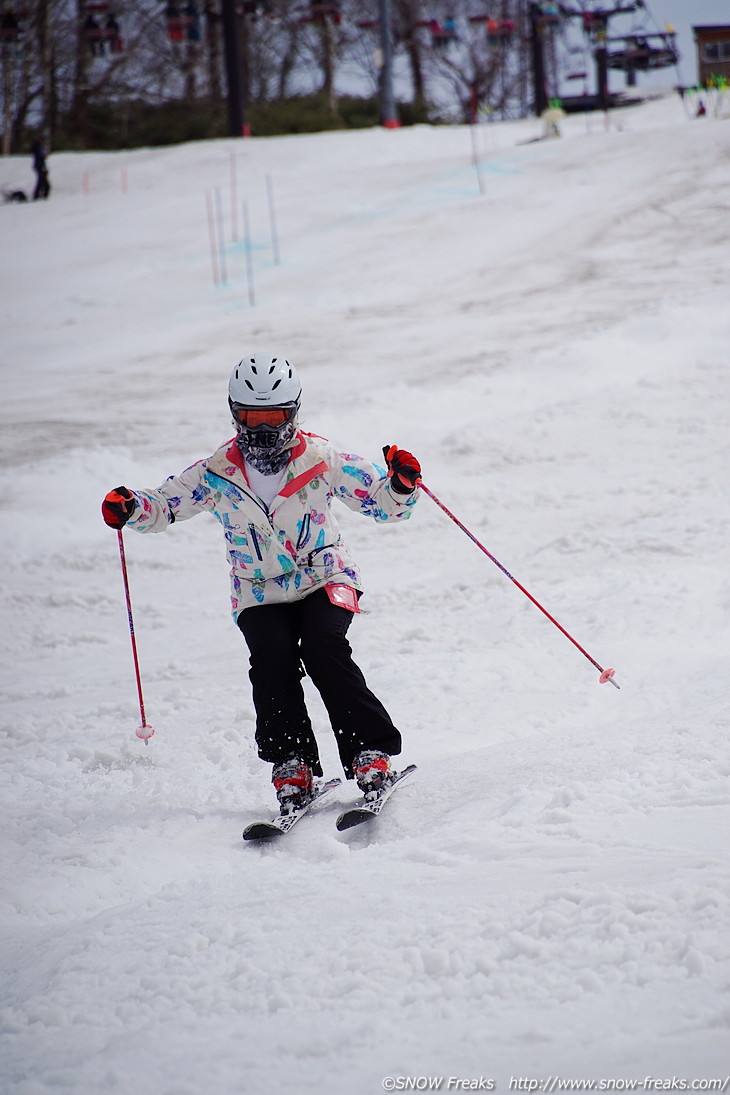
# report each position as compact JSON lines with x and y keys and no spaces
{"x":118,"y":507}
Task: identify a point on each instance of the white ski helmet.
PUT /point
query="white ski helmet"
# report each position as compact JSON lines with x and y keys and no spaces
{"x":264,"y":380}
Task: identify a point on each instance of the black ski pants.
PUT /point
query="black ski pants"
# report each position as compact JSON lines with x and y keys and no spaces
{"x":42,"y":186}
{"x":311,"y":633}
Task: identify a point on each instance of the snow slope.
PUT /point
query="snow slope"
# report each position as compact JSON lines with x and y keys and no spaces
{"x":549,"y":899}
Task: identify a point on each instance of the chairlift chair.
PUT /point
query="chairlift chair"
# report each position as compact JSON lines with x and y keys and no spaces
{"x":593,"y":23}
{"x":548,"y":15}
{"x":191,"y":21}
{"x":640,"y":55}
{"x":499,"y":31}
{"x":175,"y":24}
{"x":441,"y":34}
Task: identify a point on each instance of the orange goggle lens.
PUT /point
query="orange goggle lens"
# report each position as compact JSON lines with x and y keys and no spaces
{"x":251,"y":417}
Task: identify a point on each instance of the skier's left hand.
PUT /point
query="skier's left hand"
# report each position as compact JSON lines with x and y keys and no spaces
{"x":403,"y":469}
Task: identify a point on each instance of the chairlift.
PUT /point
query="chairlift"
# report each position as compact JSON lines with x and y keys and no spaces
{"x":644,"y":49}
{"x":640,"y":54}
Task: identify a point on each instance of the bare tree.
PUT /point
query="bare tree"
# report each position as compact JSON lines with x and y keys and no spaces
{"x":65,"y":58}
{"x":482,"y":57}
{"x":324,"y":36}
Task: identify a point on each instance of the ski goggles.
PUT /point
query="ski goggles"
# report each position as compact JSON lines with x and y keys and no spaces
{"x":273,"y":417}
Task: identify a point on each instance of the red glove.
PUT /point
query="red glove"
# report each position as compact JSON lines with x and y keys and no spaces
{"x":118,"y":507}
{"x":403,"y":469}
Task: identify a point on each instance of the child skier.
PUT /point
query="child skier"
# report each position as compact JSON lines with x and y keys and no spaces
{"x":294,"y":585}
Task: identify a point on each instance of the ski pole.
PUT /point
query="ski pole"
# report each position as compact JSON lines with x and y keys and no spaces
{"x":144,"y":730}
{"x":606,"y":674}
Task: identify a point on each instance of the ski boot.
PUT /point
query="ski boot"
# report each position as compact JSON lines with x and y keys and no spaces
{"x":293,"y":782}
{"x":372,"y":772}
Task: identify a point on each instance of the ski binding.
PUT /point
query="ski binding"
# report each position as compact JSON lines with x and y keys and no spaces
{"x":282,"y":823}
{"x":368,"y":808}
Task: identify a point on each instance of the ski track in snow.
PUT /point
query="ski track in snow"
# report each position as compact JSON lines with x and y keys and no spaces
{"x":549,"y":895}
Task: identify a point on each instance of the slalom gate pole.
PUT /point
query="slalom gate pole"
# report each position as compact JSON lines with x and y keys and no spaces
{"x":234,"y":196}
{"x":211,"y":238}
{"x":606,"y":674}
{"x":222,"y":265}
{"x":249,"y":254}
{"x":144,"y":730}
{"x":272,"y":220}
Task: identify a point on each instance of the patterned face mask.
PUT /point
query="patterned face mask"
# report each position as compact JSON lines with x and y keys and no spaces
{"x":267,"y":448}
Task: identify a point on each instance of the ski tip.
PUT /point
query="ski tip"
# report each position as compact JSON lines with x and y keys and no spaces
{"x":261,"y":830}
{"x":351,"y":818}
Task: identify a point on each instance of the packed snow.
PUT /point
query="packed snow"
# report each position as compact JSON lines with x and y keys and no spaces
{"x":545,"y":324}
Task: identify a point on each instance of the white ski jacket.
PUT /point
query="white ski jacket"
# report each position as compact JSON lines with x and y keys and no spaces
{"x":282,"y":552}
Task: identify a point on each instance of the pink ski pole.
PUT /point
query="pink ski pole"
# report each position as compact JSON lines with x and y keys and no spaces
{"x":606,"y":674}
{"x":144,"y":730}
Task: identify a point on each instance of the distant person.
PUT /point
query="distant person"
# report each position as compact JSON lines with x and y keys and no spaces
{"x":94,"y":36}
{"x":113,"y":35}
{"x":42,"y":184}
{"x":551,"y":118}
{"x":701,"y":109}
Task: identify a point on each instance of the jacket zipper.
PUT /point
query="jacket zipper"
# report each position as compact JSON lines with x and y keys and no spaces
{"x":304,"y":532}
{"x":255,"y":542}
{"x":316,"y":551}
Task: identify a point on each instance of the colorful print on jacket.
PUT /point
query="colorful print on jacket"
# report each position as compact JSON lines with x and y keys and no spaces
{"x":282,"y":552}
